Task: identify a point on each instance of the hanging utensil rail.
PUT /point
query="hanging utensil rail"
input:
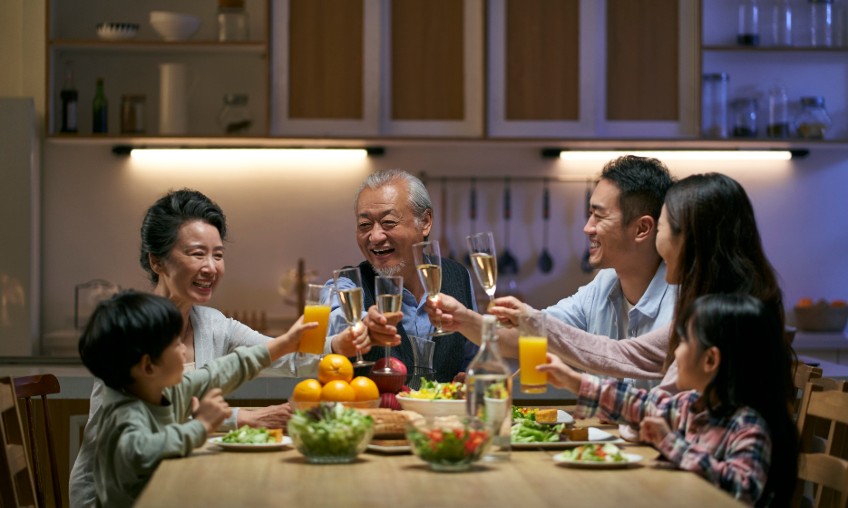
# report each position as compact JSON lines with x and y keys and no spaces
{"x":551,"y":179}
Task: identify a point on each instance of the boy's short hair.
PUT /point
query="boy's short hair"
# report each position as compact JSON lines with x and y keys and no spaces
{"x":122,"y":330}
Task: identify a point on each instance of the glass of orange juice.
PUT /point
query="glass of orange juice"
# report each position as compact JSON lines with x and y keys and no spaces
{"x":317,"y":309}
{"x":532,"y":351}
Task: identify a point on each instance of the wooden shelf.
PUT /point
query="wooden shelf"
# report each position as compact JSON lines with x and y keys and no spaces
{"x":95,"y":45}
{"x":774,"y":49}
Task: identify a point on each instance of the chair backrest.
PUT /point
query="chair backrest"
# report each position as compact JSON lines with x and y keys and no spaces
{"x":17,"y":487}
{"x":827,"y":470}
{"x":803,"y":374}
{"x":26,"y":388}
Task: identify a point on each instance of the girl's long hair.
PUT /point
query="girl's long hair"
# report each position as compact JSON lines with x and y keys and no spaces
{"x":755,"y":370}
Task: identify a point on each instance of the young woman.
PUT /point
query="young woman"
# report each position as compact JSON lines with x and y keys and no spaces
{"x":730,"y":422}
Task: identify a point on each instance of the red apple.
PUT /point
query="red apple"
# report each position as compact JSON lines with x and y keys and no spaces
{"x":394,"y":363}
{"x":389,"y":400}
{"x":391,"y":381}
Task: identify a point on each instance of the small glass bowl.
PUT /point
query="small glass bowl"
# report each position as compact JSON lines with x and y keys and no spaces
{"x":448,"y":443}
{"x":340,"y":446}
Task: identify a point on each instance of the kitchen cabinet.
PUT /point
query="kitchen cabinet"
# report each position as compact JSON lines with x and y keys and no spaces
{"x":132,"y":66}
{"x":377,"y":68}
{"x":587,"y":69}
{"x":803,"y":70}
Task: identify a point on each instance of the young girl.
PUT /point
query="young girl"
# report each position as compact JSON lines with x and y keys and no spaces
{"x":730,"y":422}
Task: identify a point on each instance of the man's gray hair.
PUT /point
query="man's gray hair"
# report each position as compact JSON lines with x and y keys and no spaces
{"x":419,"y":198}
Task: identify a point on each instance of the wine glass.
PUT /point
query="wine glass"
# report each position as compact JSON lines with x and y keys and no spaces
{"x":350,"y":299}
{"x":481,"y":247}
{"x":389,"y":292}
{"x":428,"y":262}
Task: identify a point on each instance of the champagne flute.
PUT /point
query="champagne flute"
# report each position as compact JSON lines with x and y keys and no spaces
{"x":389,"y":292}
{"x":350,"y":300}
{"x":481,"y":247}
{"x":428,"y":262}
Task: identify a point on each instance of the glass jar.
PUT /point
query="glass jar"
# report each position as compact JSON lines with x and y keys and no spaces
{"x":748,"y":33}
{"x":234,"y":117}
{"x":714,"y":105}
{"x":132,"y":114}
{"x":232,"y":21}
{"x":813,"y":121}
{"x":821,"y":23}
{"x":781,"y":23}
{"x":778,"y":112}
{"x":745,"y":117}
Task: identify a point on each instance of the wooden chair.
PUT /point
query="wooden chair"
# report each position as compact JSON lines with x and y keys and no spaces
{"x":17,"y":487}
{"x":803,"y":374}
{"x":28,"y":387}
{"x":827,"y":472}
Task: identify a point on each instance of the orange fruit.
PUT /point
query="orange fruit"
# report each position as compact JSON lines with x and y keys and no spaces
{"x":838,"y":303}
{"x":333,"y":367}
{"x":338,"y":391}
{"x":365,"y":388}
{"x":308,"y":390}
{"x":805,"y":302}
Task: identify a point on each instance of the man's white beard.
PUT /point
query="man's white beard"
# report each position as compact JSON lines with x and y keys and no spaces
{"x":390,"y":271}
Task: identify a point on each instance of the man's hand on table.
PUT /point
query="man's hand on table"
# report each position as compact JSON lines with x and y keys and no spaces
{"x":271,"y":417}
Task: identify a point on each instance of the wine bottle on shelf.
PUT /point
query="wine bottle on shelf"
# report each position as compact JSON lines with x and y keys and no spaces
{"x":100,"y":110}
{"x":69,"y":97}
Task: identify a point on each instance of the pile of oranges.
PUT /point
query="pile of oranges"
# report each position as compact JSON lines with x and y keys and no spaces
{"x":335,"y":383}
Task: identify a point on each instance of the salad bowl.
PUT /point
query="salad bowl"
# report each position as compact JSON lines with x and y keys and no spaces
{"x":433,"y":408}
{"x":448,"y":443}
{"x":330,"y":433}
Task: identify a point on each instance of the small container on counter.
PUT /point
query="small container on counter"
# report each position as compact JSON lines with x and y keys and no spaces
{"x":234,"y":117}
{"x":132,"y":114}
{"x":232,"y":21}
{"x":821,"y":23}
{"x":714,"y":105}
{"x":748,"y":33}
{"x":745,"y":117}
{"x":778,"y":112}
{"x":813,"y":121}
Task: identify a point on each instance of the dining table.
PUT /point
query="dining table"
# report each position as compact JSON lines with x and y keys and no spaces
{"x":212,"y":477}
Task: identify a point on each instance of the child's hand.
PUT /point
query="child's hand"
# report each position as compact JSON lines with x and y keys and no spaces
{"x":212,"y":409}
{"x":288,"y":342}
{"x":352,"y":339}
{"x":560,"y":375}
{"x":653,"y":430}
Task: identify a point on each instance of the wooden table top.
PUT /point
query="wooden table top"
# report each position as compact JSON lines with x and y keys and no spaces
{"x":213,"y":477}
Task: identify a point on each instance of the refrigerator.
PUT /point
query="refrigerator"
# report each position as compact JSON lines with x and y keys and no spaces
{"x":20,"y":191}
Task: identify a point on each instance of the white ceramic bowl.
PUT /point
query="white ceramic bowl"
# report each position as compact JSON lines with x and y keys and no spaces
{"x":117,"y":31}
{"x":174,"y":26}
{"x":430,"y":408}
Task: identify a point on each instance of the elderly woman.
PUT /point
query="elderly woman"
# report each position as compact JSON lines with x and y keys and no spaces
{"x":182,"y":251}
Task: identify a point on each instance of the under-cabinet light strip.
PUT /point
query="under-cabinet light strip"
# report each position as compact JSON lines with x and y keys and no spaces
{"x":664,"y":155}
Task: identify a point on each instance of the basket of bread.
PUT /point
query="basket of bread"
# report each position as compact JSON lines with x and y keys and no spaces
{"x":821,"y":316}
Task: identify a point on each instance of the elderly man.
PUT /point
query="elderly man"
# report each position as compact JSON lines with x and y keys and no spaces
{"x":629,"y":295}
{"x":393,"y":212}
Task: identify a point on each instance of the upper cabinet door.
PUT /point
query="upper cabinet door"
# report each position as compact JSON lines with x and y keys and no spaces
{"x":326,"y":73}
{"x":433,"y":79}
{"x":592,"y":68}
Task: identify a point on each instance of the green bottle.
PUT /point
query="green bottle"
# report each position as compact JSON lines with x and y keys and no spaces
{"x":100,"y":109}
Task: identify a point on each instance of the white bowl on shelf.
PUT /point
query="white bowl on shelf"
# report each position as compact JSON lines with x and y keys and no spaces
{"x":174,"y":26}
{"x":115,"y":31}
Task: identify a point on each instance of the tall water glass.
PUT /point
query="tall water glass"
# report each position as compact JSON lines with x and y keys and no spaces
{"x":532,"y":351}
{"x":317,"y":309}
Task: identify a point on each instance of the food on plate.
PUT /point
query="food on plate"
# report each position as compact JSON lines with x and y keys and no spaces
{"x":576,"y":433}
{"x":528,"y":413}
{"x":388,"y":423}
{"x":595,"y":453}
{"x":249,"y":435}
{"x":546,"y":415}
{"x":434,"y":390}
{"x":333,"y":367}
{"x":330,"y":431}
{"x":497,"y":391}
{"x":525,"y":430}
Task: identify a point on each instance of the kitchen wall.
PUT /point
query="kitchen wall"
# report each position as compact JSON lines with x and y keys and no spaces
{"x":93,"y":202}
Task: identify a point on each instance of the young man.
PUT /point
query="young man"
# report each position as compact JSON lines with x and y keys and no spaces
{"x":132,"y":343}
{"x":393,"y":212}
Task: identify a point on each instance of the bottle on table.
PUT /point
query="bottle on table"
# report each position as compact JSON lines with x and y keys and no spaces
{"x":70,"y":98}
{"x":489,"y":391}
{"x":100,"y":110}
{"x":748,"y":33}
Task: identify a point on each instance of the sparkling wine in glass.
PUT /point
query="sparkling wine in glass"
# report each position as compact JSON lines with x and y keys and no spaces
{"x":389,"y":292}
{"x":428,"y":262}
{"x":350,"y":300}
{"x":481,"y":247}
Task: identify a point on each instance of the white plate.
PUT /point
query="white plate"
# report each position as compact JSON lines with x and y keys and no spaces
{"x":389,"y":449}
{"x":562,"y":417}
{"x":239,"y":447}
{"x":595,"y":436}
{"x":632,"y":458}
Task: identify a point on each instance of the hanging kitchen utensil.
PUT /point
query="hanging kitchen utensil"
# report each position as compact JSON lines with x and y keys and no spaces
{"x":472,"y":215}
{"x":443,"y":236}
{"x":507,"y":264}
{"x":546,"y":262}
{"x":584,"y":261}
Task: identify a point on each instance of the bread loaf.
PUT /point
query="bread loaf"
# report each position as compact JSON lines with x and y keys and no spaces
{"x":546,"y":415}
{"x":389,"y":423}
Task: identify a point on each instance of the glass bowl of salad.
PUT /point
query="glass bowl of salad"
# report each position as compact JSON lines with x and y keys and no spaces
{"x":448,"y":443}
{"x":330,"y":433}
{"x":435,"y":399}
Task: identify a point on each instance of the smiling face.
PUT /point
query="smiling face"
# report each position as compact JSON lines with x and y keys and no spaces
{"x":193,"y":268}
{"x":608,"y":236}
{"x":386,"y":228}
{"x":669,"y":246}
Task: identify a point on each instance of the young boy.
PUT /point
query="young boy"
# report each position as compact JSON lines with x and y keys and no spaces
{"x":132,"y":343}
